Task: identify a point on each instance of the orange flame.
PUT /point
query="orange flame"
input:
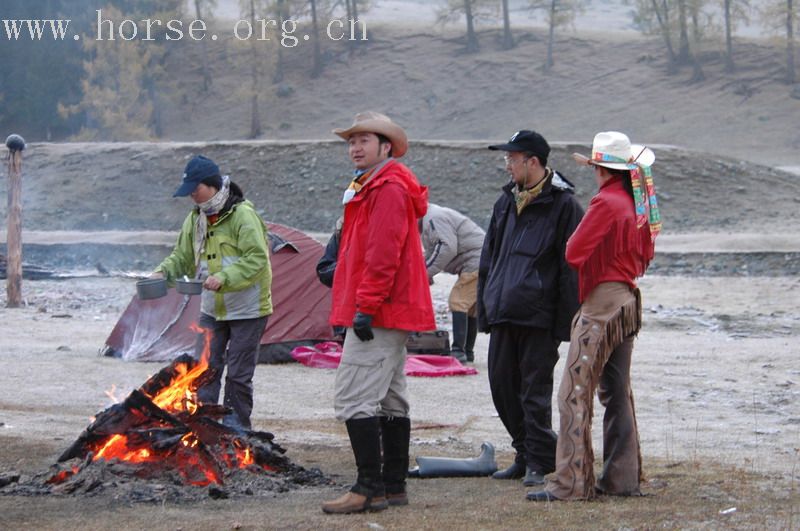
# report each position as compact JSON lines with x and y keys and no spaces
{"x":178,"y":397}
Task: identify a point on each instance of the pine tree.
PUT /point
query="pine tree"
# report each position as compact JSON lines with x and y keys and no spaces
{"x":124,"y":80}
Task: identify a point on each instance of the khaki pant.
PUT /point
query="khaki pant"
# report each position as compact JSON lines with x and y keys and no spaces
{"x":464,"y":295}
{"x":371,"y":379}
{"x":601,"y":345}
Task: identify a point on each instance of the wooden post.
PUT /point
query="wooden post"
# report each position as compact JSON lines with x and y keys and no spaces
{"x":15,"y":144}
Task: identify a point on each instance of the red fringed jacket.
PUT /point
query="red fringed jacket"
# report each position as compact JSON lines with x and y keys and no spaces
{"x":607,"y":246}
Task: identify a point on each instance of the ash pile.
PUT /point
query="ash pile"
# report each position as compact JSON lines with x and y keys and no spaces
{"x":161,"y":444}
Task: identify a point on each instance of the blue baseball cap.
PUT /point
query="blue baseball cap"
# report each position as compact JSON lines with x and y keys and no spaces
{"x":196,"y":170}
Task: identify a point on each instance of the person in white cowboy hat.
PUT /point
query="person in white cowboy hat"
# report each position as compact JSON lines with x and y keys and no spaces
{"x":380,"y":294}
{"x":612,"y":246}
{"x":527,"y":295}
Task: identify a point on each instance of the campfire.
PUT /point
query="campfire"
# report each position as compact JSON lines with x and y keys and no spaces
{"x":162,"y":432}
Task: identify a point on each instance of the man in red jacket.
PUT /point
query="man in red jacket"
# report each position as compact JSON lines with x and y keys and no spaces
{"x":380,"y":293}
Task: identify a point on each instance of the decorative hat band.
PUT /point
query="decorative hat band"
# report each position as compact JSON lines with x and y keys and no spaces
{"x":606,"y":157}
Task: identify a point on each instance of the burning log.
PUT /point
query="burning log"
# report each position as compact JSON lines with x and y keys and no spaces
{"x":161,"y":430}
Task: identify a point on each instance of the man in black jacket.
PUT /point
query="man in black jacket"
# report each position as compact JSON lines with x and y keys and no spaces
{"x":527,"y":296}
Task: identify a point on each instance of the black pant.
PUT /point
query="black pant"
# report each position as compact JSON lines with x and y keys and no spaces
{"x":235,"y":344}
{"x":521,"y":362}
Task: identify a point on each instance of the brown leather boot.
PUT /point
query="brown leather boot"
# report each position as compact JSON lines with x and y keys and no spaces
{"x":353,"y":502}
{"x":398,"y":498}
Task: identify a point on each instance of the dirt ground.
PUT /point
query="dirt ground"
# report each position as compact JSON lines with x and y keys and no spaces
{"x":715,"y":368}
{"x":714,"y":373}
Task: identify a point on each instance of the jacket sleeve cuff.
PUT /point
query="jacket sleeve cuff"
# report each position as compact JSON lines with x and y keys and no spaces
{"x":367,"y":308}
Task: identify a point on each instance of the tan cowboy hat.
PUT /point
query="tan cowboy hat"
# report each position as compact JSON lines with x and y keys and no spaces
{"x":375,"y":122}
{"x":611,"y":149}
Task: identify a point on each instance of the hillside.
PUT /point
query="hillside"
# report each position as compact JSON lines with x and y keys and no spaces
{"x":423,"y":79}
{"x":129,"y":186}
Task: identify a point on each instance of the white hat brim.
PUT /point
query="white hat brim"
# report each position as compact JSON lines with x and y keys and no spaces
{"x":643,"y":156}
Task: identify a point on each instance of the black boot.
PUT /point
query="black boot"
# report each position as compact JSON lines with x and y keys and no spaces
{"x":472,"y":334}
{"x":515,"y":471}
{"x":395,"y":434}
{"x":459,"y":336}
{"x":368,"y":493}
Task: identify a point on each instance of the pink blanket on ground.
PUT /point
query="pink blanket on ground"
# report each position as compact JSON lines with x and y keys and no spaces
{"x":328,"y":354}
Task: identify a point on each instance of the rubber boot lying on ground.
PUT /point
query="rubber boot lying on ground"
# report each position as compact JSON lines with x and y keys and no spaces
{"x":430,"y":467}
{"x":457,"y":350}
{"x":368,"y":493}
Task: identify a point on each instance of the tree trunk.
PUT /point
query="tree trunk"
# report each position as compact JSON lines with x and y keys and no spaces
{"x":203,"y":50}
{"x":791,"y":75}
{"x":683,"y":43}
{"x":157,"y":118}
{"x":551,"y":35}
{"x":255,"y":115}
{"x":663,"y":24}
{"x":472,"y":38}
{"x":14,"y":233}
{"x":729,"y":66}
{"x":317,"y":69}
{"x":277,"y":77}
{"x":508,"y":39}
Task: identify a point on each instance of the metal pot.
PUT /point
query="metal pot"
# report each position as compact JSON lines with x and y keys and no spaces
{"x":189,"y":287}
{"x":151,"y":288}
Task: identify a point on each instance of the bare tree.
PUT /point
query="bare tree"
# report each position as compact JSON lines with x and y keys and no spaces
{"x":733,"y":12}
{"x":668,"y":18}
{"x":781,"y":16}
{"x":508,"y":39}
{"x":791,"y":76}
{"x":558,"y":13}
{"x":472,"y":10}
{"x":660,"y":9}
{"x":317,"y":68}
{"x":683,"y":37}
{"x":282,"y":11}
{"x":203,"y":10}
{"x":250,"y":10}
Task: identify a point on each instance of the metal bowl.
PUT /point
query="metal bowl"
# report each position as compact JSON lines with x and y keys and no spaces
{"x":151,"y":288}
{"x":189,"y":287}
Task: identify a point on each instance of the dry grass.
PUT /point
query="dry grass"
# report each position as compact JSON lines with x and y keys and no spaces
{"x":678,"y":495}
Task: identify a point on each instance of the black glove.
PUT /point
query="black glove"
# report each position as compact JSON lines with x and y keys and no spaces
{"x":362,"y":326}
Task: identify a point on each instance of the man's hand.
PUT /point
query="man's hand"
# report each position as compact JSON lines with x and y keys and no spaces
{"x":212,"y":283}
{"x":156,"y":274}
{"x":362,"y":326}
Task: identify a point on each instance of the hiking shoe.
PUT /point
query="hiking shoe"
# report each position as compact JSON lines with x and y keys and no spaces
{"x":352,"y":502}
{"x":398,"y":498}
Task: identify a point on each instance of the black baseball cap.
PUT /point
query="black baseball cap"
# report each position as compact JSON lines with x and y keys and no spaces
{"x":527,"y":141}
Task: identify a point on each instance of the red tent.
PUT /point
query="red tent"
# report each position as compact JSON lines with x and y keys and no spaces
{"x":159,"y":329}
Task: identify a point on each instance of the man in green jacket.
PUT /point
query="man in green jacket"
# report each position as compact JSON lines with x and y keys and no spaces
{"x":223,"y":242}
